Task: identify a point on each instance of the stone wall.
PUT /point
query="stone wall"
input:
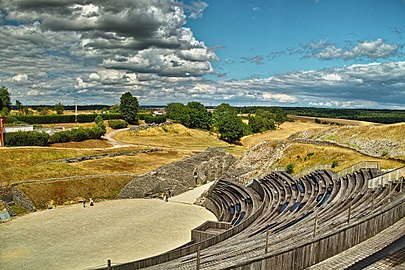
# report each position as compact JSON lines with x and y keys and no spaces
{"x":257,"y":161}
{"x":22,"y":200}
{"x":180,"y":176}
{"x":146,"y":126}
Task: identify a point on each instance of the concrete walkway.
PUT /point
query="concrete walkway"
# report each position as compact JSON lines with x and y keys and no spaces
{"x":74,"y":237}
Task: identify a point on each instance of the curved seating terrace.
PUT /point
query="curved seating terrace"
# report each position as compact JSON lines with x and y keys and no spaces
{"x":279,"y":222}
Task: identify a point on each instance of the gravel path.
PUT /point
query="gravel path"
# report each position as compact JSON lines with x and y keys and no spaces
{"x":74,"y":237}
{"x":116,"y":144}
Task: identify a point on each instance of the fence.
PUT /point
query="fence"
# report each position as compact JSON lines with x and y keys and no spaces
{"x":396,"y":176}
{"x":323,"y":247}
{"x":358,"y":166}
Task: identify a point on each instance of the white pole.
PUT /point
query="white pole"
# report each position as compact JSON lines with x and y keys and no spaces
{"x":76,"y":109}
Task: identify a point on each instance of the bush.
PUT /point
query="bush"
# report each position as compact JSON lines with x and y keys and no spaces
{"x":290,"y":168}
{"x":60,"y":137}
{"x":117,"y":124}
{"x":335,"y":164}
{"x":149,"y":119}
{"x":77,"y":135}
{"x":26,"y":138}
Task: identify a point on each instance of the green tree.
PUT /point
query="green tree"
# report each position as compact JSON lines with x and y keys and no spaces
{"x":220,"y":111}
{"x":59,"y":108}
{"x":5,"y":103}
{"x":228,"y":124}
{"x":129,"y":108}
{"x":114,"y":108}
{"x":178,"y":113}
{"x":263,"y":120}
{"x":100,"y":123}
{"x":199,"y":116}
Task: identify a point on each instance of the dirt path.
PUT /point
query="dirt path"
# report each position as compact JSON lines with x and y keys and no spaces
{"x":116,"y":144}
{"x":74,"y":237}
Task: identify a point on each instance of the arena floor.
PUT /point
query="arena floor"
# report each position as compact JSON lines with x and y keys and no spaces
{"x":74,"y":237}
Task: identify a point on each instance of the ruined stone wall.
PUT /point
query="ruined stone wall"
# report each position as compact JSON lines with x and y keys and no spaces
{"x":180,"y":176}
{"x":22,"y":200}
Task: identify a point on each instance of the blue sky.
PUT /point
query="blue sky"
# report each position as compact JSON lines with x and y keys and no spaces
{"x":322,"y":53}
{"x":268,"y":29}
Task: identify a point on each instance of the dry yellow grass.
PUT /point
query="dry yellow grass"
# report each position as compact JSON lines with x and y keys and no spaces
{"x":173,"y":136}
{"x":71,"y":191}
{"x":330,"y":120}
{"x":69,"y":125}
{"x":305,"y":156}
{"x":282,"y":133}
{"x":138,"y":164}
{"x":84,"y":144}
{"x":21,"y":164}
{"x":394,"y":132}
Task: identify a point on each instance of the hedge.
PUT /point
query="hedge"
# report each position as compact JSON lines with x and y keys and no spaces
{"x":155,"y":119}
{"x":77,"y":135}
{"x":26,"y":138}
{"x":53,"y":119}
{"x":117,"y":124}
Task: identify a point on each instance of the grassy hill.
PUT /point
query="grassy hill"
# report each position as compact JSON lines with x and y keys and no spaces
{"x":305,"y":156}
{"x":375,"y":140}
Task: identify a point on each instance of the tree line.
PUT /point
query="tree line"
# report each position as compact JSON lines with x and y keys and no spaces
{"x":372,"y":115}
{"x":225,"y":119}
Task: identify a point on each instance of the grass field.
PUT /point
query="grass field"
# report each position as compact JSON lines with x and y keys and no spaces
{"x":173,"y":136}
{"x":21,"y":164}
{"x":305,"y":156}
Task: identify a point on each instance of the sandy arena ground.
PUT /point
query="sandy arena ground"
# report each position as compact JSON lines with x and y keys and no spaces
{"x":74,"y":237}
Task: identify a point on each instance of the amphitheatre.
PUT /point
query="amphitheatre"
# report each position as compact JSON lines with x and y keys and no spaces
{"x":238,"y":203}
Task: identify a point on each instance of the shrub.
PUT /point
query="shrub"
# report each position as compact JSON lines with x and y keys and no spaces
{"x":290,"y":168}
{"x":117,"y":124}
{"x":149,"y":119}
{"x":78,"y":134}
{"x":98,"y":119}
{"x":26,"y":138}
{"x":60,"y":137}
{"x":335,"y":164}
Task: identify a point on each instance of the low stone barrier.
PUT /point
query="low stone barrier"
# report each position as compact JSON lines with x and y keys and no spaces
{"x":22,"y":200}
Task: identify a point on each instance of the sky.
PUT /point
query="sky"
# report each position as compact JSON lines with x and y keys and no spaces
{"x":317,"y":53}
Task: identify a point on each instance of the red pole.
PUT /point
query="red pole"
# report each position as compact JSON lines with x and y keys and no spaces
{"x":1,"y":132}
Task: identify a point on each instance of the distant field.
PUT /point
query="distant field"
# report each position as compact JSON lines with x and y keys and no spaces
{"x":330,"y":120}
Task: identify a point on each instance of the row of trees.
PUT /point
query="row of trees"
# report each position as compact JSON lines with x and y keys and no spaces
{"x":224,"y":119}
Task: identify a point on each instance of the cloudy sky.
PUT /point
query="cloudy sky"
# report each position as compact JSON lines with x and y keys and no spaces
{"x":322,"y":53}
